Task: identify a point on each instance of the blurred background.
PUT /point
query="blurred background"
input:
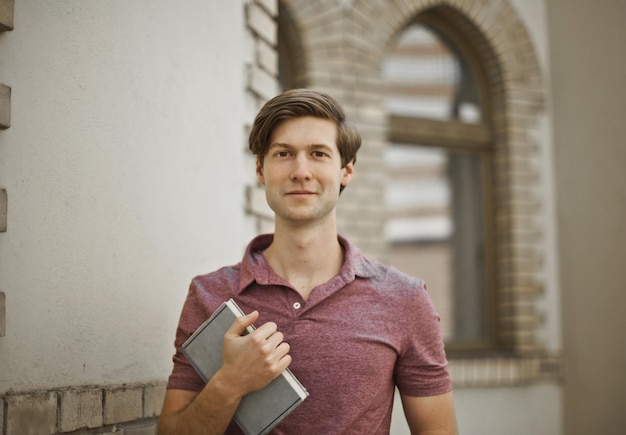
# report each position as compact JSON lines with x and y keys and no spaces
{"x":491,"y":166}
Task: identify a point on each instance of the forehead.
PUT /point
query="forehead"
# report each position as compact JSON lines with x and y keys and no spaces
{"x":305,"y":131}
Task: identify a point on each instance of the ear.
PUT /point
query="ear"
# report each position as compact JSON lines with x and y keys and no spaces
{"x":347,"y":172}
{"x":259,"y":171}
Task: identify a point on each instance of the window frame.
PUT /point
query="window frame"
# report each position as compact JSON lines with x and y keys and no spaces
{"x":457,"y":136}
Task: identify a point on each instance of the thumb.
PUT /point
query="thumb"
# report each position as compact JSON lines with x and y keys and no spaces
{"x":241,"y":323}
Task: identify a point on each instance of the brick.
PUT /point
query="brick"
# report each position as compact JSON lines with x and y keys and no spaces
{"x":262,"y":23}
{"x":31,"y":414}
{"x":267,"y":57}
{"x":153,"y":396}
{"x":262,"y":83}
{"x":79,"y":409}
{"x":265,"y":226}
{"x":6,"y":14}
{"x":123,"y":404}
{"x":3,"y":210}
{"x":256,"y":203}
{"x":271,"y":6}
{"x":5,"y":107}
{"x":3,"y":311}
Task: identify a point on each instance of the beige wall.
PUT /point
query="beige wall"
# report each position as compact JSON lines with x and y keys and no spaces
{"x":589,"y":106}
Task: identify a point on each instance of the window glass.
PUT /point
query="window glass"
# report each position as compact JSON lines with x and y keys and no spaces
{"x":435,"y":196}
{"x":425,"y":78}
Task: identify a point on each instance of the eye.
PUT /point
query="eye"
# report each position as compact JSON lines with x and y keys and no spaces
{"x":282,"y":154}
{"x":319,"y":154}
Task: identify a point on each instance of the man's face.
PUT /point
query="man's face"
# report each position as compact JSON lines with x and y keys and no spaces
{"x":302,"y":170}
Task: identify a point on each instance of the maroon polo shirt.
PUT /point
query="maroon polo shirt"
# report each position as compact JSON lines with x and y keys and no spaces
{"x":365,"y":331}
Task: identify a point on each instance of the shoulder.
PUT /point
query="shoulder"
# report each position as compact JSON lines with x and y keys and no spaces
{"x":228,"y":273}
{"x":383,"y":281}
{"x":392,"y":278}
{"x":219,"y":283}
{"x":206,"y":293}
{"x":409,"y":294}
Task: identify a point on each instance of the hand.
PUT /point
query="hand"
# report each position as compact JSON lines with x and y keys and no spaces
{"x":250,"y":362}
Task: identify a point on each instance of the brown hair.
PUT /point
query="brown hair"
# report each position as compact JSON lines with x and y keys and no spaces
{"x":297,"y":103}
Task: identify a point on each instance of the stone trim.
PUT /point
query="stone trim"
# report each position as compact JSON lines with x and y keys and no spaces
{"x":5,"y":107}
{"x":262,"y":81}
{"x":126,"y":409}
{"x":256,"y":204}
{"x":3,"y":210}
{"x":506,"y":371}
{"x":3,"y":315}
{"x":261,"y":85}
{"x":6,"y":24}
{"x":6,"y":14}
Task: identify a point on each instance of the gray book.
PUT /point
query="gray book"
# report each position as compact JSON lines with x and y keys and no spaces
{"x":259,"y":411}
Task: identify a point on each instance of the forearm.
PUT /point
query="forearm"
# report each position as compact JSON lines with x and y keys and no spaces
{"x":209,"y":412}
{"x":250,"y":362}
{"x":430,"y":415}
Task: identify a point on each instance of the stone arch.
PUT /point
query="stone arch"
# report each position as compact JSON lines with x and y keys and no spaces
{"x":513,"y":91}
{"x":490,"y":25}
{"x":291,"y":53}
{"x":342,"y":45}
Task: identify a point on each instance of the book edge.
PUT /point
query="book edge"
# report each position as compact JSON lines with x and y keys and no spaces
{"x":273,"y":423}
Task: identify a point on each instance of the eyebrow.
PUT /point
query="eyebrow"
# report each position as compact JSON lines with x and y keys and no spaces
{"x":313,"y":146}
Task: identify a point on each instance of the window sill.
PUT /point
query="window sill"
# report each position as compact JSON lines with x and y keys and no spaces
{"x":499,"y":371}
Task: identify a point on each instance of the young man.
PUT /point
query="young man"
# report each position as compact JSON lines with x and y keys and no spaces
{"x":349,"y":328}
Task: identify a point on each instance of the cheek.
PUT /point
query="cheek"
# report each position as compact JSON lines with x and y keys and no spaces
{"x":270,"y":178}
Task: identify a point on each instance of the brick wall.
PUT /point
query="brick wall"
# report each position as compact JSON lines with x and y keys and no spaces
{"x":342,"y":45}
{"x":6,"y":24}
{"x":261,"y":85}
{"x":119,"y":409}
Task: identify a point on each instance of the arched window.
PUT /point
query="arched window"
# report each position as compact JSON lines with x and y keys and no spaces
{"x":438,"y":197}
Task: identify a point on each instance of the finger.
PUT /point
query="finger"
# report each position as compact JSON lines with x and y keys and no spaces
{"x":280,"y":359}
{"x":284,"y":363}
{"x":283,"y":349}
{"x":274,"y":340}
{"x":266,"y":330}
{"x":241,"y":323}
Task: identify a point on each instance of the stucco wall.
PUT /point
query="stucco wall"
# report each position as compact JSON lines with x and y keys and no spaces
{"x":124,"y":168}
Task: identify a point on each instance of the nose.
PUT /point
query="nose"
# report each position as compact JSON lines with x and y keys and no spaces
{"x":301,"y":169}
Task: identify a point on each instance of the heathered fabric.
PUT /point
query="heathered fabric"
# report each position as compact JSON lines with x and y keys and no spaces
{"x":366,"y":330}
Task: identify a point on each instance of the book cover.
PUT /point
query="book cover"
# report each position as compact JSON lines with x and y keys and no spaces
{"x":260,"y":410}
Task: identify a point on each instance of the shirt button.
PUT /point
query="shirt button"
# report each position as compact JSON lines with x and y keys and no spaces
{"x":296,"y":305}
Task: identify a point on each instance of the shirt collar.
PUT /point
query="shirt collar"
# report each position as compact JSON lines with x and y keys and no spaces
{"x":254,"y":267}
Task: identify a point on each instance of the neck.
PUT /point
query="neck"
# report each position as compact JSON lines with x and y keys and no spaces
{"x":306,"y":257}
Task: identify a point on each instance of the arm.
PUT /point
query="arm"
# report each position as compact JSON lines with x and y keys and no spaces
{"x":249,"y":363}
{"x":433,"y":415}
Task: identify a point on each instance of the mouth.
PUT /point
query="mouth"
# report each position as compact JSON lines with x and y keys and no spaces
{"x":300,"y":192}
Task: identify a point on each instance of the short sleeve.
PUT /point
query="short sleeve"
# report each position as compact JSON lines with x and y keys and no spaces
{"x":422,"y":367}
